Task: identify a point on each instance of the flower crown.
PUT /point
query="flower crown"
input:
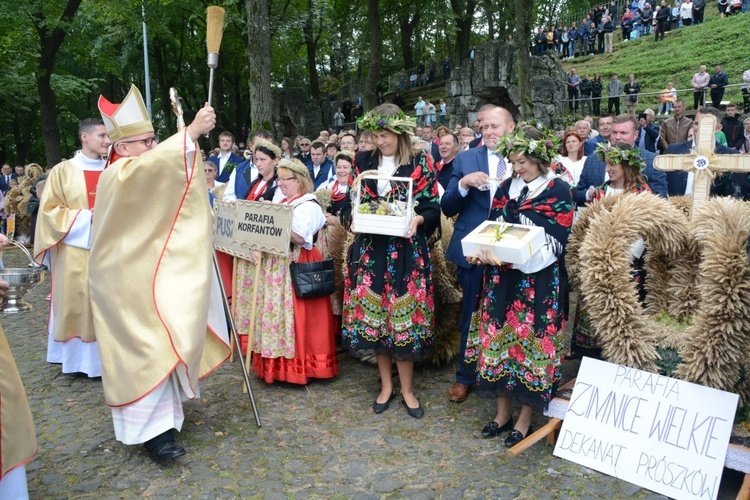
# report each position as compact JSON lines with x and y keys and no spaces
{"x":397,"y":124}
{"x":273,"y":148}
{"x":616,"y":156}
{"x":545,"y":148}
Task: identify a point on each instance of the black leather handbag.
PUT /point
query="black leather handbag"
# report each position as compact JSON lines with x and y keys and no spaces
{"x":313,"y":279}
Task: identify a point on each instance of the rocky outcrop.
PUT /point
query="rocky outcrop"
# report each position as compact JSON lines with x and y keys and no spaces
{"x":491,"y":77}
{"x":295,"y":112}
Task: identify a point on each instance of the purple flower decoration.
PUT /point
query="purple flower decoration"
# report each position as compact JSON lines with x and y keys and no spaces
{"x":381,"y":123}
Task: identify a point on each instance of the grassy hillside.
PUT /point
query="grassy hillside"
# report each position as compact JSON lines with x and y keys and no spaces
{"x":677,"y":57}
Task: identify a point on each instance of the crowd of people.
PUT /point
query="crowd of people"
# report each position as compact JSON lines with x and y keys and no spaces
{"x":585,"y":94}
{"x":150,"y":354}
{"x":595,"y":32}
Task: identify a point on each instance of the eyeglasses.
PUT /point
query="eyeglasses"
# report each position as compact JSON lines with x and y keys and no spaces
{"x":148,"y":142}
{"x":286,"y":179}
{"x":305,"y":144}
{"x":208,"y":170}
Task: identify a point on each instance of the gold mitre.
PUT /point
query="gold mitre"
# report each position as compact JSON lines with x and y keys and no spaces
{"x":127,"y":119}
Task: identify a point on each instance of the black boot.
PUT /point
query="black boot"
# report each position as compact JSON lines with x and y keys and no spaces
{"x":163,"y":447}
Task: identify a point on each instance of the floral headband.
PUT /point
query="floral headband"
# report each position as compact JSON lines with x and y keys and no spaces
{"x":545,"y":148}
{"x":617,"y":156}
{"x":268,"y":146}
{"x":397,"y":124}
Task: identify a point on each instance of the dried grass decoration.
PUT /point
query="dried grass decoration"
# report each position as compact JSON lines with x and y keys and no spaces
{"x":717,"y":350}
{"x":599,"y":261}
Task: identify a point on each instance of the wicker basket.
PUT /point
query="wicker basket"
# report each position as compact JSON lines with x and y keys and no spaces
{"x":389,"y":225}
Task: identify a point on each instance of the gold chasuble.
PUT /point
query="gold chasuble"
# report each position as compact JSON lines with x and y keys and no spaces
{"x":17,"y":435}
{"x":66,"y":194}
{"x":151,"y":274}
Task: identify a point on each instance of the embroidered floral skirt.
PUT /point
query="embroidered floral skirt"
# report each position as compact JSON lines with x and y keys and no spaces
{"x":516,"y":336}
{"x":388,"y":297}
{"x":293,"y":338}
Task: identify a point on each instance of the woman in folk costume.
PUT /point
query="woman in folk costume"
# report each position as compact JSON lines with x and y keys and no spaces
{"x":293,"y":340}
{"x":340,"y":209}
{"x":519,"y":334}
{"x":157,"y":308}
{"x":18,"y":443}
{"x":624,"y":169}
{"x":62,"y":240}
{"x":388,"y":294}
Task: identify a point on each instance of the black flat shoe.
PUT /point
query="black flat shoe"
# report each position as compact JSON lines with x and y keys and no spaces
{"x":166,"y":451}
{"x":516,"y":437}
{"x":417,"y":412}
{"x":493,"y":429}
{"x":381,"y":407}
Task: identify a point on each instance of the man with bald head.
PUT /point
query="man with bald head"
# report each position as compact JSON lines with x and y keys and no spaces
{"x":468,"y":198}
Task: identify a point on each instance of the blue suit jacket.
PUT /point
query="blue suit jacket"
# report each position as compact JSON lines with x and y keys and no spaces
{"x":4,"y":187}
{"x":593,"y":175}
{"x":224,"y":176}
{"x":677,"y":180}
{"x":323,"y":173}
{"x":473,"y":209}
{"x":590,"y":145}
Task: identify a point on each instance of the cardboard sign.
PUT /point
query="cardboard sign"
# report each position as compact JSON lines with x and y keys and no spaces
{"x":244,"y":226}
{"x":660,"y":433}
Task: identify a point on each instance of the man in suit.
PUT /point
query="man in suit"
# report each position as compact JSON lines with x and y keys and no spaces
{"x":681,"y":183}
{"x":448,"y":150}
{"x":225,"y":160}
{"x":468,"y":198}
{"x":624,"y":130}
{"x":7,"y":175}
{"x":320,"y":167}
{"x":648,"y":134}
{"x":429,"y":138}
{"x":304,"y":151}
{"x":605,"y":128}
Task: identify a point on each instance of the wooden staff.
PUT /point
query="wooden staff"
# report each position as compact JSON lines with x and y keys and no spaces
{"x":253,"y":314}
{"x":177,"y":109}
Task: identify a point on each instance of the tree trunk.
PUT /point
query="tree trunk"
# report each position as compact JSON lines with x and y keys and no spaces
{"x":259,"y":57}
{"x":464,"y":17}
{"x":311,"y":43}
{"x":49,"y":43}
{"x":407,"y":28}
{"x":524,"y":10}
{"x":376,"y":53}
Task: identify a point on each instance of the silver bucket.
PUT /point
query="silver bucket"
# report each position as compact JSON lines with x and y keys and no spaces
{"x":21,"y":280}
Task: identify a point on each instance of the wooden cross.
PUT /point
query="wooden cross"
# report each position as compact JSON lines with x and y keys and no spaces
{"x":703,"y":162}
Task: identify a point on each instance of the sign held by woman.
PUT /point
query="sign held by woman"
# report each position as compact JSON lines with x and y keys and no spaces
{"x":244,"y":226}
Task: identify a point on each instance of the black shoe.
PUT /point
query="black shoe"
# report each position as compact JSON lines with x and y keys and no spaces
{"x":516,"y":437}
{"x":381,"y":407}
{"x":493,"y":429}
{"x":417,"y":412}
{"x":166,"y":451}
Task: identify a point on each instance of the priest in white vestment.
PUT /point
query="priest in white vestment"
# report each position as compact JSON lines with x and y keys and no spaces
{"x":158,"y":314}
{"x":63,"y":238}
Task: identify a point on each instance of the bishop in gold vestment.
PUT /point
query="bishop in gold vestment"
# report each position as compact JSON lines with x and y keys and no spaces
{"x":63,"y":235}
{"x":158,"y":324}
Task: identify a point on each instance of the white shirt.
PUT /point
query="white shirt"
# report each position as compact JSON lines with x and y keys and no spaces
{"x":223,"y":158}
{"x":229,"y":194}
{"x":492,"y":161}
{"x":307,"y":219}
{"x":545,"y":257}
{"x":574,"y":167}
{"x":386,"y":167}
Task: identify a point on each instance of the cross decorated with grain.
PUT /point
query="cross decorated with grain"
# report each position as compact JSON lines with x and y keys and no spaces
{"x":703,"y":161}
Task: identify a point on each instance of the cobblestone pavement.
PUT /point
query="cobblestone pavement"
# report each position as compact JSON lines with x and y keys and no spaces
{"x":318,"y":441}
